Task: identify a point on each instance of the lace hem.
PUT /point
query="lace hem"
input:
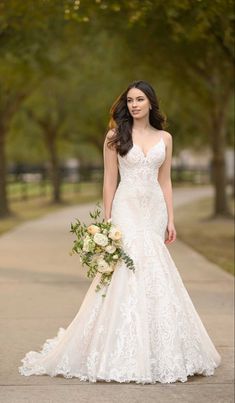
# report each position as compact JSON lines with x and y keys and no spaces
{"x":33,"y":365}
{"x":86,"y":378}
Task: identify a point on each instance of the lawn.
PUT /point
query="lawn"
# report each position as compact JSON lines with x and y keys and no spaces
{"x":213,"y":238}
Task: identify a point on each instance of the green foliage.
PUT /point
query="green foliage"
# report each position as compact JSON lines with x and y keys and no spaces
{"x":94,"y":48}
{"x":64,"y":63}
{"x":94,"y":254}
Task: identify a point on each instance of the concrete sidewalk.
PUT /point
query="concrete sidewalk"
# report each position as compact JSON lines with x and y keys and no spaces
{"x":42,"y":288}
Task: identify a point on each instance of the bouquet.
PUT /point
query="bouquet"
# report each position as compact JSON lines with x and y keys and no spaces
{"x":99,"y":246}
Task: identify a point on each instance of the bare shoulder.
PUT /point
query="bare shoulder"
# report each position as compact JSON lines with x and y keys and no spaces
{"x":109,"y":145}
{"x":167,"y":136}
{"x":110,"y":134}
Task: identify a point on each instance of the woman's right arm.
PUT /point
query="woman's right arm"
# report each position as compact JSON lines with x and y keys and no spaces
{"x":110,"y":175}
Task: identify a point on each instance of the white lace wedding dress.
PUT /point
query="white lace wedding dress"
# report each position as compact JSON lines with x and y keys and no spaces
{"x":146,"y":329}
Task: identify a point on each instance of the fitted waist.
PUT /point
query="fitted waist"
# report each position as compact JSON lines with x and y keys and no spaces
{"x":140,"y":182}
{"x":139,"y":187}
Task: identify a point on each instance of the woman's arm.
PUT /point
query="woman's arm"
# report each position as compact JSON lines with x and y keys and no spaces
{"x":164,"y":178}
{"x":110,"y":175}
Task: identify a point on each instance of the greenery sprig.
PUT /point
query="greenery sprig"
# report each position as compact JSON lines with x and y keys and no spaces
{"x":100,"y":247}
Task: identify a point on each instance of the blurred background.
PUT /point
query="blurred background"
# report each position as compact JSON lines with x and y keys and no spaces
{"x":64,"y":62}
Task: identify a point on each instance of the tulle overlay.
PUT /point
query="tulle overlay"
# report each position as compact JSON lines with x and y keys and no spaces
{"x":146,"y":329}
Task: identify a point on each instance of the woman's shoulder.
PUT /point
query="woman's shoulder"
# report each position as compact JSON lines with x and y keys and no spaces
{"x":166,"y":135}
{"x":109,"y":142}
{"x":110,"y":134}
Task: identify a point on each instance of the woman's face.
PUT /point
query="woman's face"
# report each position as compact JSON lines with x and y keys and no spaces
{"x":137,"y":103}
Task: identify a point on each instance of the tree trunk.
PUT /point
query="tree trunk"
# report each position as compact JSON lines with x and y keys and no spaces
{"x":4,"y":208}
{"x":12,"y":104}
{"x":55,"y":169}
{"x":218,"y":140}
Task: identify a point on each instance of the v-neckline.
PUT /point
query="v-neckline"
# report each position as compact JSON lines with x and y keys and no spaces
{"x":151,"y":148}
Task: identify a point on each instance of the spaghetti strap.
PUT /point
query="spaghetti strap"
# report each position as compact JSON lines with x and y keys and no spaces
{"x":161,"y":138}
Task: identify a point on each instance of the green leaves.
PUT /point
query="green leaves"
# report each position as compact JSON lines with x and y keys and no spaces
{"x":128,"y":261}
{"x":96,"y":213}
{"x":99,"y":247}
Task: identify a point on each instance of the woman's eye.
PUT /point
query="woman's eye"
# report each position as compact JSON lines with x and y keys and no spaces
{"x":138,"y":99}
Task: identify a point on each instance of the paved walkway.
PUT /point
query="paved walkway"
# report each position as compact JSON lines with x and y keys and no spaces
{"x":42,"y":289}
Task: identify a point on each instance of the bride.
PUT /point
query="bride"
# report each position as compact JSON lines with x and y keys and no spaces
{"x":146,"y":329}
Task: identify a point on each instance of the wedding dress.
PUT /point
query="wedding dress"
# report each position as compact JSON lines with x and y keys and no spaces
{"x":146,"y":329}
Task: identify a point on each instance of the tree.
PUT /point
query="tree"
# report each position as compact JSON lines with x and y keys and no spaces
{"x":50,"y":111}
{"x":25,"y":58}
{"x":9,"y":103}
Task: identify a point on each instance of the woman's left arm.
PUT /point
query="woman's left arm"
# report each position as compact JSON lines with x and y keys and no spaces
{"x":164,"y":179}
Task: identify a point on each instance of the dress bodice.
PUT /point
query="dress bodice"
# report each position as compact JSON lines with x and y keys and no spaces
{"x":140,"y":169}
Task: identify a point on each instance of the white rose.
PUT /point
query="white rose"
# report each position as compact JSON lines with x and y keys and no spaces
{"x":101,"y":239}
{"x":115,"y":233}
{"x":103,"y":266}
{"x":110,"y":248}
{"x":115,"y":257}
{"x":93,"y":229}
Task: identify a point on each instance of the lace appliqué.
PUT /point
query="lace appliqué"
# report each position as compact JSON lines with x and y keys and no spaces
{"x":146,"y":329}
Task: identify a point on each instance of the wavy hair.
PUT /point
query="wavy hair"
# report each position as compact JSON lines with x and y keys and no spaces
{"x":122,"y":121}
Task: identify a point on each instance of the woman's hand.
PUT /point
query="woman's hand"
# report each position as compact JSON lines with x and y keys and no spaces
{"x":171,"y":233}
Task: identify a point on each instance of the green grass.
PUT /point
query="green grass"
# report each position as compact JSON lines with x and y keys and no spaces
{"x":32,"y":208}
{"x":19,"y":190}
{"x":213,"y":238}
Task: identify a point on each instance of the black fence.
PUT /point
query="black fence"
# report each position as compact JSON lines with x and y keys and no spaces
{"x":25,"y":182}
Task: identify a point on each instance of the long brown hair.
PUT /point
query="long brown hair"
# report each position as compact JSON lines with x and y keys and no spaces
{"x":122,"y":121}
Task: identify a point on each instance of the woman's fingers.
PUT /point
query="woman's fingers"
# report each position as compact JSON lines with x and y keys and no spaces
{"x":171,"y":236}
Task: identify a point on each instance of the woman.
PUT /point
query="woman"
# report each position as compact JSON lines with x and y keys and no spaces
{"x":146,"y":329}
